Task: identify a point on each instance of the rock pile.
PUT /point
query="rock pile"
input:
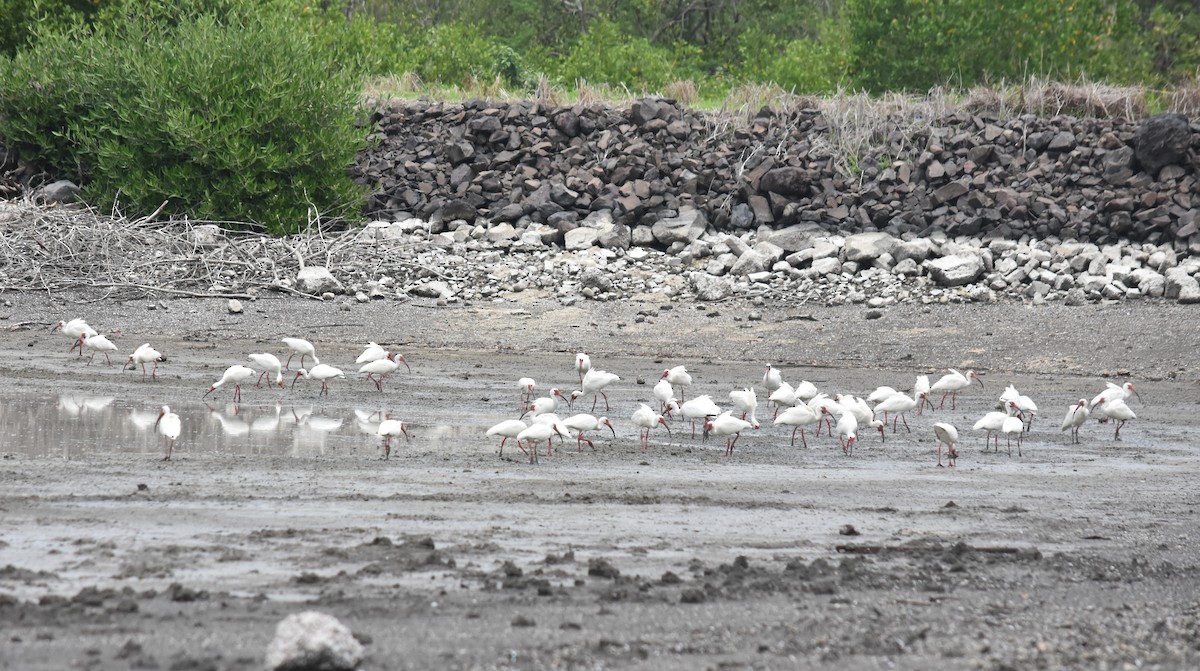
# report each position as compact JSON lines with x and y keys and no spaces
{"x":603,"y":203}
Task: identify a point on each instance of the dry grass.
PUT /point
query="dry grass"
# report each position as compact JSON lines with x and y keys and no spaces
{"x":1049,"y":99}
{"x":1185,"y":100}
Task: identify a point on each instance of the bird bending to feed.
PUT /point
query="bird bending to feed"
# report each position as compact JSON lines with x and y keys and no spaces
{"x":389,"y":429}
{"x":584,"y":422}
{"x":74,"y":329}
{"x":646,"y":419}
{"x":537,"y":432}
{"x":663,"y":392}
{"x":234,"y":375}
{"x":772,"y":379}
{"x":898,"y":405}
{"x":372,"y":352}
{"x":168,"y":426}
{"x":98,"y":344}
{"x":798,"y":416}
{"x":509,"y":428}
{"x":677,"y":376}
{"x":322,"y":373}
{"x":269,"y":363}
{"x":1013,"y":425}
{"x":783,"y":397}
{"x":746,"y":401}
{"x":1025,"y":405}
{"x":948,"y":434}
{"x":952,"y":383}
{"x":583,"y":363}
{"x":380,"y":368}
{"x":862,"y":412}
{"x":824,"y":407}
{"x":847,"y":428}
{"x":141,"y":356}
{"x":1115,"y":409}
{"x":594,"y":382}
{"x":701,"y":407}
{"x":545,"y":404}
{"x":1076,"y":416}
{"x":526,"y":385}
{"x":726,"y":424}
{"x":921,"y":387}
{"x":302,"y":347}
{"x":806,"y":391}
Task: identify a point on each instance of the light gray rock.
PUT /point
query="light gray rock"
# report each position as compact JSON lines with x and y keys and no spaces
{"x":1075,"y":297}
{"x":313,"y":641}
{"x":62,"y":191}
{"x":434,"y":289}
{"x":955,"y":270}
{"x":317,"y":280}
{"x":907,"y":267}
{"x":769,"y":251}
{"x":581,"y":238}
{"x":596,"y":279}
{"x":615,"y":236}
{"x":749,"y":262}
{"x":868,"y":246}
{"x":827,"y":266}
{"x":794,"y":238}
{"x":234,"y":306}
{"x":687,"y":226}
{"x":709,"y":287}
{"x":1177,"y":282}
{"x":501,"y":231}
{"x":918,"y":250}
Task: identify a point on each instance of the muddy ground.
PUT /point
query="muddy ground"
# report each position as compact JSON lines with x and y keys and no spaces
{"x":449,"y":556}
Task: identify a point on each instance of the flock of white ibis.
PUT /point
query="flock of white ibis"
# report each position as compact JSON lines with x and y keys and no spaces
{"x":798,"y":406}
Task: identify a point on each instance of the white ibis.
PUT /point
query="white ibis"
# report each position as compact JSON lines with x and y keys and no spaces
{"x":1024,"y":404}
{"x":772,"y":379}
{"x":234,"y":375}
{"x":381,"y":368}
{"x":678,"y":377}
{"x":389,"y":429}
{"x":663,"y":392}
{"x":948,"y":434}
{"x":168,"y":426}
{"x":646,"y":419}
{"x":583,"y":363}
{"x":1115,"y":409}
{"x":372,"y":352}
{"x":898,"y":405}
{"x":98,"y":344}
{"x":805,"y":391}
{"x":992,"y":422}
{"x":526,"y":385}
{"x":798,"y":416}
{"x":847,"y":428}
{"x":584,"y":422}
{"x":1013,"y":425}
{"x":783,"y":397}
{"x":509,"y":428}
{"x":141,"y":356}
{"x":536,"y":433}
{"x":824,"y":407}
{"x":1111,"y":392}
{"x":862,"y":412}
{"x":952,"y":383}
{"x":322,"y":373}
{"x":725,"y":424}
{"x":269,"y":363}
{"x":594,"y":383}
{"x":746,"y":401}
{"x":921,"y":387}
{"x":701,"y":407}
{"x":545,"y":404}
{"x":881,"y":393}
{"x":74,"y":329}
{"x":302,"y":347}
{"x":1076,"y":416}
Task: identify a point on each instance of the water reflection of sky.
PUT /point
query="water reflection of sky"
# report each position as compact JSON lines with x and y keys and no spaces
{"x":71,"y":426}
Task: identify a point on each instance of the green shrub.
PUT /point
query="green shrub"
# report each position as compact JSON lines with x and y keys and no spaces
{"x":808,"y":65}
{"x":605,"y":54}
{"x":242,"y":118}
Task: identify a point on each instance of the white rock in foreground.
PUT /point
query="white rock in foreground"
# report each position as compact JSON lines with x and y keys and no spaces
{"x":955,"y":270}
{"x":311,"y":641}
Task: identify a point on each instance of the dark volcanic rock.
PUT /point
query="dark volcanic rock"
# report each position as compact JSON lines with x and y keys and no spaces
{"x":1162,"y":140}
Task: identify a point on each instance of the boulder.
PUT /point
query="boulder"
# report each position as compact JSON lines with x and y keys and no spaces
{"x":581,"y":238}
{"x":317,"y":280}
{"x":786,"y":181}
{"x":1162,"y":140}
{"x":827,"y":266}
{"x":749,"y":262}
{"x":615,"y":236}
{"x":62,"y":191}
{"x":688,"y":225}
{"x":710,"y":287}
{"x":313,"y":641}
{"x":955,"y":270}
{"x":868,"y":246}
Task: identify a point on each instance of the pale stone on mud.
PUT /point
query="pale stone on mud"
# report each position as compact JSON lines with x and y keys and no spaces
{"x":313,"y":641}
{"x":955,"y":270}
{"x":317,"y":280}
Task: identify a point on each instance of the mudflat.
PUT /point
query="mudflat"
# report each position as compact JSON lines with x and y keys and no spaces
{"x":448,"y":555}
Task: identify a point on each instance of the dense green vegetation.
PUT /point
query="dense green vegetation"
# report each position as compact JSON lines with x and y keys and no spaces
{"x":244,"y":109}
